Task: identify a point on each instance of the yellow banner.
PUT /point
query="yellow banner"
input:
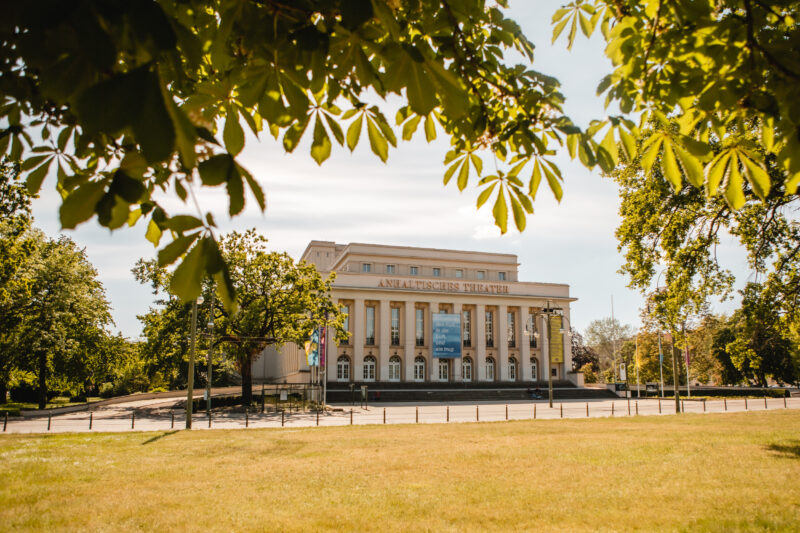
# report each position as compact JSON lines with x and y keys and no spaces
{"x":556,"y":341}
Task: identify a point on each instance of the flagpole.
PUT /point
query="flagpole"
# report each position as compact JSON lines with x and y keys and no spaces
{"x":638,"y":386}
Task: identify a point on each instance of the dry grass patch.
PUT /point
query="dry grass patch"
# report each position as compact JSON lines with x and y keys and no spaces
{"x":733,"y":471}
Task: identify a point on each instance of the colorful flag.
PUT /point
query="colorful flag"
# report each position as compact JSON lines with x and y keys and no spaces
{"x":312,"y":349}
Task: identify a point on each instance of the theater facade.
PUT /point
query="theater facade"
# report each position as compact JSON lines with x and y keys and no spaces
{"x":501,"y":329}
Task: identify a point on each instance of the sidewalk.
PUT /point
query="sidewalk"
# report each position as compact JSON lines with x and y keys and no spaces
{"x":148,"y":415}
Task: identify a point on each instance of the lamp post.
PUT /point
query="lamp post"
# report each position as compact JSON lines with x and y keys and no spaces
{"x":210,"y":351}
{"x":190,"y":377}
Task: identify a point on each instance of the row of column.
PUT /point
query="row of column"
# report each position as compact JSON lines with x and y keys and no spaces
{"x":383,"y":350}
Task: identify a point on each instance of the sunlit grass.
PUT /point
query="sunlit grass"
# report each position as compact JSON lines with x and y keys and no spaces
{"x":735,"y":471}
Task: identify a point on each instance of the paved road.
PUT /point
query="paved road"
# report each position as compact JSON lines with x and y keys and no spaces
{"x":159,"y":415}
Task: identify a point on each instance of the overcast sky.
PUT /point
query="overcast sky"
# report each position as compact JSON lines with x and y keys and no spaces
{"x":356,"y":198}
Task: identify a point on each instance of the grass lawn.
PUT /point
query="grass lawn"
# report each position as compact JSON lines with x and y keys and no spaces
{"x":720,"y":472}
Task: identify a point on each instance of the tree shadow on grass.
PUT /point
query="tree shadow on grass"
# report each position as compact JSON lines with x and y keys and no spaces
{"x":790,"y":449}
{"x":161,"y":436}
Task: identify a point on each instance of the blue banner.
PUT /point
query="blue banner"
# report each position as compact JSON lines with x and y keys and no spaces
{"x":312,"y":349}
{"x":446,"y":335}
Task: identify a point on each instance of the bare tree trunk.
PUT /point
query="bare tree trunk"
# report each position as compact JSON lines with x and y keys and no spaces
{"x":3,"y":390}
{"x":247,"y":380}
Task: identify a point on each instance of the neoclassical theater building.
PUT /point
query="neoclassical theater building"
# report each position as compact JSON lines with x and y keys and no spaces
{"x":390,"y":294}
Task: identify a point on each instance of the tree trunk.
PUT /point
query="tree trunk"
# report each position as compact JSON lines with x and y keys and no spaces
{"x":42,"y":380}
{"x":3,"y":390}
{"x":247,"y":380}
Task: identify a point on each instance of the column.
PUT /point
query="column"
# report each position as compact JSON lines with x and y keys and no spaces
{"x":384,"y":339}
{"x":502,"y":338}
{"x":457,"y":362}
{"x":525,"y":346}
{"x":432,"y":371}
{"x":409,"y":343}
{"x":545,"y":338}
{"x":359,"y":337}
{"x":480,"y":342}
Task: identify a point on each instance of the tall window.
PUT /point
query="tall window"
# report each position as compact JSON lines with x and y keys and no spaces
{"x":395,"y":326}
{"x":489,"y":329}
{"x":459,"y":273}
{"x":413,"y":271}
{"x":366,"y":267}
{"x":370,"y":326}
{"x":467,"y":336}
{"x":481,"y":274}
{"x":501,"y":276}
{"x":369,"y":368}
{"x":419,"y":369}
{"x":466,"y":369}
{"x":532,"y":330}
{"x":444,"y":367}
{"x":512,"y":369}
{"x":534,"y":369}
{"x":512,"y":337}
{"x":394,"y":368}
{"x":437,"y":272}
{"x":390,"y":269}
{"x":490,"y":369}
{"x":346,"y":312}
{"x":420,"y":327}
{"x":343,"y":368}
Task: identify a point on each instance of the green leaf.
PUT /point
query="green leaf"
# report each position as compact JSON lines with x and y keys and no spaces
{"x":553,"y":182}
{"x":171,"y":252}
{"x":153,"y":233}
{"x":572,"y":32}
{"x":691,"y":166}
{"x":463,"y":175}
{"x":79,"y":205}
{"x":255,"y":188}
{"x":536,"y":179}
{"x":186,"y":282}
{"x":519,"y":214}
{"x":756,"y":176}
{"x":354,"y":132}
{"x":419,"y":89}
{"x":500,"y":212}
{"x":217,"y":169}
{"x":430,"y":129}
{"x":153,"y":125}
{"x":485,"y":194}
{"x":450,"y":171}
{"x":336,"y":129}
{"x":559,"y":28}
{"x":293,"y":135}
{"x":35,"y":178}
{"x":182,"y":223}
{"x":610,"y":145}
{"x":734,"y":194}
{"x":477,"y":163}
{"x":410,"y":127}
{"x":233,"y":134}
{"x":321,"y":145}
{"x":376,"y":141}
{"x":715,"y":171}
{"x":650,"y":155}
{"x":670,"y":167}
{"x":586,"y":26}
{"x":129,"y":189}
{"x":235,"y":188}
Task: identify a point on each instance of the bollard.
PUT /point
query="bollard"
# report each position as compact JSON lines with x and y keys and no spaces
{"x":637,"y":407}
{"x":784,"y":406}
{"x":745,"y":403}
{"x":683,"y":406}
{"x":133,"y":419}
{"x":448,"y":413}
{"x":704,"y":405}
{"x":506,"y":411}
{"x":765,"y":402}
{"x":209,"y":420}
{"x":561,"y":405}
{"x":90,"y":420}
{"x":629,"y":407}
{"x":384,"y":415}
{"x":725,"y":401}
{"x":659,"y":406}
{"x":587,"y":409}
{"x":247,"y":419}
{"x":351,"y":417}
{"x":48,"y":421}
{"x":172,"y":421}
{"x":534,"y":411}
{"x":283,"y":417}
{"x":5,"y":422}
{"x":612,"y":408}
{"x":384,"y":420}
{"x":416,"y":416}
{"x":477,"y":415}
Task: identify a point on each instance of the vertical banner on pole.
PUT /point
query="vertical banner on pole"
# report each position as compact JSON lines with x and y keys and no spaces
{"x":312,"y":349}
{"x":556,"y":341}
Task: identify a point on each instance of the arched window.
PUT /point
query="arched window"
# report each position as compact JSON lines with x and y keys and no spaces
{"x":394,"y":368}
{"x":490,"y":369}
{"x":534,"y":369}
{"x":444,"y":370}
{"x":343,"y":368}
{"x":369,"y":368}
{"x":466,"y":369}
{"x":419,"y":369}
{"x":512,"y":369}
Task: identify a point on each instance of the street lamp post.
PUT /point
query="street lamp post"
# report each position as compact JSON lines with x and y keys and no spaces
{"x":190,"y":377}
{"x":210,"y":352}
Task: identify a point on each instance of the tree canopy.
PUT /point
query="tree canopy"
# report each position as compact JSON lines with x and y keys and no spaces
{"x":123,"y":100}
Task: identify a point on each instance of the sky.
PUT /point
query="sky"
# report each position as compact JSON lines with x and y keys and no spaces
{"x":357,"y":198}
